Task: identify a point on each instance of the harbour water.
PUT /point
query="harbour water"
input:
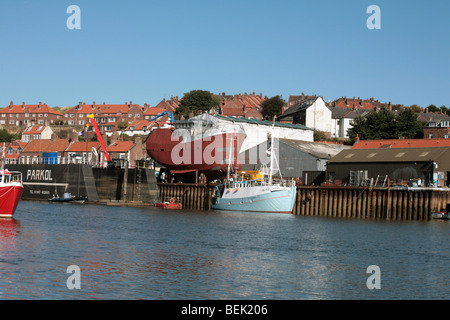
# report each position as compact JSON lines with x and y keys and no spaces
{"x":150,"y":253}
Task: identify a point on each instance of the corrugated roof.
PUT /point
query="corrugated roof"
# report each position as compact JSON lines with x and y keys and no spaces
{"x":401,"y":143}
{"x":389,"y":155}
{"x":317,"y":149}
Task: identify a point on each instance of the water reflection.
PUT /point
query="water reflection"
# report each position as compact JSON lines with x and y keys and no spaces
{"x":130,"y":253}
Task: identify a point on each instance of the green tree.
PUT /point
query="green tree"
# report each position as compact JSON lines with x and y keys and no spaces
{"x":5,"y":136}
{"x":415,"y":108}
{"x":319,"y":135}
{"x":408,"y":125}
{"x":196,"y":100}
{"x":272,"y":107}
{"x":433,"y":108}
{"x":385,"y":125}
{"x":122,"y":125}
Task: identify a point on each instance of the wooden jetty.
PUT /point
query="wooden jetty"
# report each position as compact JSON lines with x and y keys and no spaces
{"x":331,"y":201}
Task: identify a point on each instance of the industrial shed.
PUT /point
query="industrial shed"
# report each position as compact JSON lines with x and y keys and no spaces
{"x":304,"y":160}
{"x":430,"y":166}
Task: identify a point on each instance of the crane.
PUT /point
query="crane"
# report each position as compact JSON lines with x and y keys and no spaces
{"x":99,"y":136}
{"x":170,"y":114}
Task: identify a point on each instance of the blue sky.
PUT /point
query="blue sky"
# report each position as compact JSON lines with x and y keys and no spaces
{"x":144,"y":51}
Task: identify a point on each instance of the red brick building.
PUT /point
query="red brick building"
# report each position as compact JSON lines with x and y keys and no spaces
{"x":29,"y":114}
{"x":242,"y":105}
{"x":107,"y":116}
{"x":437,"y":125}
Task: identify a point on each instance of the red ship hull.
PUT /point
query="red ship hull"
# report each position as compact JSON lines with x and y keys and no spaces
{"x":9,"y":199}
{"x":209,"y":155}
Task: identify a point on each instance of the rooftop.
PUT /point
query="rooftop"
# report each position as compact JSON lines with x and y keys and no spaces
{"x":401,"y":143}
{"x":389,"y":155}
{"x":263,"y":122}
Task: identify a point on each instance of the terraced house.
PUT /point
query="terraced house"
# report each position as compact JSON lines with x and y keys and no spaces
{"x":107,"y":116}
{"x":29,"y":114}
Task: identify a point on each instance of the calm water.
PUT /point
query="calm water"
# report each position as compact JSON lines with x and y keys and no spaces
{"x":149,"y":253}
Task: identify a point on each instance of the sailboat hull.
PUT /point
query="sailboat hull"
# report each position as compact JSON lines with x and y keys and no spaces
{"x":257,"y":199}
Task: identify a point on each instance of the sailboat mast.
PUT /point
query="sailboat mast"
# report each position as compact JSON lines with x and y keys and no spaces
{"x":271,"y":153}
{"x":229,"y":157}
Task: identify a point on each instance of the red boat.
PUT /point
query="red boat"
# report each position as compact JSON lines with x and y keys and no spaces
{"x":170,"y":204}
{"x":195,"y":154}
{"x":11,"y":189}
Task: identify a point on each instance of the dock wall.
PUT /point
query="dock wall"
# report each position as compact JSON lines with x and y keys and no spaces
{"x":340,"y":202}
{"x":370,"y":203}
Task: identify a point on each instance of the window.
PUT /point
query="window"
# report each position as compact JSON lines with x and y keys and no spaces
{"x":81,"y":122}
{"x":46,"y":115}
{"x":2,"y":121}
{"x":111,"y":119}
{"x":11,"y":121}
{"x":349,"y":155}
{"x":40,"y":115}
{"x":138,"y":115}
{"x":41,"y":122}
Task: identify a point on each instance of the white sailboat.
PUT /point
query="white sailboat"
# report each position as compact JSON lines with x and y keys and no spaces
{"x":257,"y":195}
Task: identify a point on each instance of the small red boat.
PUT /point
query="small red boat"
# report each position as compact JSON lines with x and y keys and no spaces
{"x":11,"y":189}
{"x":171,"y":203}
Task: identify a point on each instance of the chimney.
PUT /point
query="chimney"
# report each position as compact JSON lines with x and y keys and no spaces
{"x":115,"y":137}
{"x":11,"y":103}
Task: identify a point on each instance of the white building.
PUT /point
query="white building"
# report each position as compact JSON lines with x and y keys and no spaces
{"x":36,"y":133}
{"x":312,"y":113}
{"x":342,"y":120}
